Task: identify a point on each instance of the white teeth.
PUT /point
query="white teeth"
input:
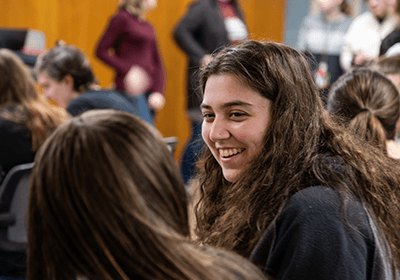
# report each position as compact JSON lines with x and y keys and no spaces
{"x":229,"y":152}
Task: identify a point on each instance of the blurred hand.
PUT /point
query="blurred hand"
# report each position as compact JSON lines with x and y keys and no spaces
{"x":156,"y":101}
{"x":360,"y":58}
{"x":205,"y":60}
{"x":136,"y":80}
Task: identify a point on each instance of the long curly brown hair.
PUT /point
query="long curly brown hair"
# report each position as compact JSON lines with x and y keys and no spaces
{"x":299,"y":146}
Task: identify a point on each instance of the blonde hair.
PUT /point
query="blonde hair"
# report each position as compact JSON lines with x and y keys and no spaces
{"x":134,"y":7}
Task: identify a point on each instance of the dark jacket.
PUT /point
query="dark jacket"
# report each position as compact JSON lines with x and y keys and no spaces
{"x":199,"y":32}
{"x":109,"y":99}
{"x":389,"y":41}
{"x":315,"y":237}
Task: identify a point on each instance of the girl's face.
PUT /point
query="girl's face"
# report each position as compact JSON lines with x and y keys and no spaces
{"x":328,"y":5}
{"x":379,"y":7}
{"x":236,"y":119}
{"x":60,"y":92}
{"x":149,"y":5}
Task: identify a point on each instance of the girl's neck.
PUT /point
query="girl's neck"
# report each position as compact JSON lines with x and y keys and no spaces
{"x":333,"y":15}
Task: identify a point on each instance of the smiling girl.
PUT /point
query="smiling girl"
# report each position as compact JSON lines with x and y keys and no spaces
{"x":281,"y":183}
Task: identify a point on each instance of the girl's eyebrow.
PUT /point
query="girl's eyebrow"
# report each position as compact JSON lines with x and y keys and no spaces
{"x":228,"y":104}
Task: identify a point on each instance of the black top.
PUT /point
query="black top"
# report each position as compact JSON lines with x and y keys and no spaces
{"x":312,"y":239}
{"x":389,"y":41}
{"x":15,"y":145}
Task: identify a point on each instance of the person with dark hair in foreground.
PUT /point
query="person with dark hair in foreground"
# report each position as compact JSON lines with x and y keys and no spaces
{"x":284,"y":185}
{"x":107,"y":202}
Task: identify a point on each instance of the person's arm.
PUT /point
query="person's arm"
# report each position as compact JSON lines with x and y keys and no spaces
{"x":184,"y":32}
{"x":156,"y":98}
{"x":310,"y":240}
{"x":114,"y":30}
{"x":158,"y":76}
{"x":347,"y":53}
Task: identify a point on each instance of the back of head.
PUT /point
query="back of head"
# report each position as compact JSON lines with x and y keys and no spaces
{"x":16,"y":82}
{"x":105,"y":194}
{"x":387,"y":65}
{"x":368,"y":103}
{"x":107,"y":202}
{"x":63,"y":60}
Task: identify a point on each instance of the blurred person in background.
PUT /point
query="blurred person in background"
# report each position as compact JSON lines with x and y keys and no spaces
{"x":26,"y":120}
{"x":207,"y":26}
{"x":66,"y":76}
{"x":321,"y":37}
{"x":129,"y":46}
{"x":391,"y":43}
{"x":365,"y":35}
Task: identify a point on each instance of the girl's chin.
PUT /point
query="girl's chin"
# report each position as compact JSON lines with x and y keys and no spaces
{"x":231,"y":175}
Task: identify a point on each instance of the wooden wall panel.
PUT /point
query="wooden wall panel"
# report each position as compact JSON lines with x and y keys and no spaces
{"x":81,"y":22}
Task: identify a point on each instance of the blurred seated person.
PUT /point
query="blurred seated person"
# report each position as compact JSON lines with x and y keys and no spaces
{"x":107,"y":201}
{"x":365,"y":35}
{"x":26,"y":119}
{"x":321,"y":37}
{"x":66,"y":76}
{"x":368,"y":103}
{"x":391,"y":43}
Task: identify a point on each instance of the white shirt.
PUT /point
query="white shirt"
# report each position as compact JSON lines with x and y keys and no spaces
{"x":365,"y":36}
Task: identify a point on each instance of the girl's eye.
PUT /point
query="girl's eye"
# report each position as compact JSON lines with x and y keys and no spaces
{"x":238,"y":115}
{"x":207,"y":116}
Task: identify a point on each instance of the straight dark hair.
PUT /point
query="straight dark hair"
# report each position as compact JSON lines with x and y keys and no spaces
{"x":107,"y":202}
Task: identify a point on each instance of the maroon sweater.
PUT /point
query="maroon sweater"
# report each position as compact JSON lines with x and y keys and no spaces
{"x":137,"y":45}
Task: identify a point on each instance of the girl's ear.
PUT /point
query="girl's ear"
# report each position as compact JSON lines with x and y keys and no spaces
{"x":69,"y":81}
